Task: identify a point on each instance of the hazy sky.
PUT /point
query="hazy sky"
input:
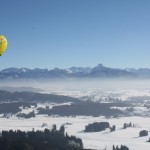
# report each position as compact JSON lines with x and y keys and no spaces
{"x":64,"y":33}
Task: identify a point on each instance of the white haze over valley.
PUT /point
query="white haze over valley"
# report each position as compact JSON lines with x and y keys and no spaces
{"x":95,"y":89}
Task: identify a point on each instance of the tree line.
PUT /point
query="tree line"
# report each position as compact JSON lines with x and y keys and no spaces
{"x":39,"y":140}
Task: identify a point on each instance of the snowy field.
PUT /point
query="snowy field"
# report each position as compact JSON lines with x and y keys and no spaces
{"x":98,"y":140}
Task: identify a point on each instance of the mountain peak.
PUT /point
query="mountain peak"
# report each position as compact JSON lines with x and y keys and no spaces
{"x":100,"y":66}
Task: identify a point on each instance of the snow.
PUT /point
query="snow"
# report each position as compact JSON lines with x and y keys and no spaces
{"x":76,"y":125}
{"x":96,"y":140}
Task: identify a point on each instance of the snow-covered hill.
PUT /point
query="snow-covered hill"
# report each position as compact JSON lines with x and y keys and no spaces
{"x":94,"y":140}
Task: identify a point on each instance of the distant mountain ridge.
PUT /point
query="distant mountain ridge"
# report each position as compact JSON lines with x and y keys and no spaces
{"x":98,"y":71}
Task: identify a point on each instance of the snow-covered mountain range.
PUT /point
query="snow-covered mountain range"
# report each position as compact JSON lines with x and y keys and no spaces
{"x":98,"y":71}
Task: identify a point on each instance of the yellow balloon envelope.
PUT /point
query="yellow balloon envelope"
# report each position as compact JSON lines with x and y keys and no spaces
{"x":3,"y":44}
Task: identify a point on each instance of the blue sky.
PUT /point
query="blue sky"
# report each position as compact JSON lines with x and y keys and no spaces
{"x":64,"y":33}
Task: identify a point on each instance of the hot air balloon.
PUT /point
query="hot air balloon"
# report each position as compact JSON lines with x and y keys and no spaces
{"x":3,"y":44}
